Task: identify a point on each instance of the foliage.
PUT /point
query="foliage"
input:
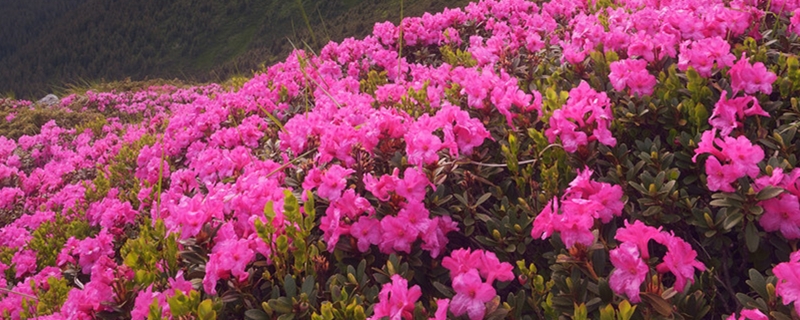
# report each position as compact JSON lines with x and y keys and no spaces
{"x":506,"y":160}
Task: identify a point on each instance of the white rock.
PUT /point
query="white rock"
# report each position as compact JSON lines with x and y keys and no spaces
{"x":49,"y":100}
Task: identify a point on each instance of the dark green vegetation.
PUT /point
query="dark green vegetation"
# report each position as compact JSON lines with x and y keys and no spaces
{"x":50,"y":45}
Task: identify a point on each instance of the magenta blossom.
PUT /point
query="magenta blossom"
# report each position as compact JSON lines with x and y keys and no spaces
{"x":633,"y":74}
{"x":472,"y":294}
{"x":788,"y":274}
{"x":629,"y":271}
{"x":680,"y":260}
{"x":396,"y":300}
{"x":751,"y":78}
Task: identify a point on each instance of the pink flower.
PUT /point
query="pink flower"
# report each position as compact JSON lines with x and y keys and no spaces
{"x":706,"y":145}
{"x":492,"y":269}
{"x":352,"y":205}
{"x":642,"y":46}
{"x":633,"y":74}
{"x":629,"y":271}
{"x":416,"y":215}
{"x":469,"y":133}
{"x":795,"y":24}
{"x":728,"y":114}
{"x":703,"y":54}
{"x":743,"y":155}
{"x":313,"y":179}
{"x":367,"y":231}
{"x":610,"y":198}
{"x":234,"y":255}
{"x":543,"y":223}
{"x":397,"y":235}
{"x":380,"y":188}
{"x":24,"y":261}
{"x":719,"y":177}
{"x":639,"y":234}
{"x":751,"y":78}
{"x":434,"y":239}
{"x":788,"y":274}
{"x":413,"y":185}
{"x":462,"y":260}
{"x":441,"y":309}
{"x":588,"y":109}
{"x":396,"y":300}
{"x":749,"y":314}
{"x":680,"y":260}
{"x":422,"y":147}
{"x":472,"y":294}
{"x":562,"y":128}
{"x":782,"y":213}
{"x":334,"y":180}
{"x":333,"y":227}
{"x":576,"y":222}
{"x":141,"y":306}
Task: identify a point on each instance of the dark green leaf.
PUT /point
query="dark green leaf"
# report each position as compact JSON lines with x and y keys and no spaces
{"x":255,"y":314}
{"x":751,"y":237}
{"x":663,"y":307}
{"x":290,"y":286}
{"x":768,"y":192}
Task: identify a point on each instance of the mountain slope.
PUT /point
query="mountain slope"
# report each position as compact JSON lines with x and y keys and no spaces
{"x":74,"y":41}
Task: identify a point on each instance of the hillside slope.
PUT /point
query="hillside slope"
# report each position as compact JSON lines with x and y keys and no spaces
{"x":47,"y":46}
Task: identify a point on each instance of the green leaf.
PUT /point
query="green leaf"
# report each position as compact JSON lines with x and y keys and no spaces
{"x":178,"y":304}
{"x":308,"y":285}
{"x":205,"y":311}
{"x":269,"y":211}
{"x":751,"y":237}
{"x":288,"y":316}
{"x":483,"y":199}
{"x":607,"y":313}
{"x":580,"y":312}
{"x":131,"y":260}
{"x":443,"y":289}
{"x":663,"y":307}
{"x":768,"y":192}
{"x":758,"y":283}
{"x":732,"y":220}
{"x":625,"y":310}
{"x":281,"y":305}
{"x":290,"y":286}
{"x":255,"y":314}
{"x":606,"y":294}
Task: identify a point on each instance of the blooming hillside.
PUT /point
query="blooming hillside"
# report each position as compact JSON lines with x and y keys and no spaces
{"x":510,"y":159}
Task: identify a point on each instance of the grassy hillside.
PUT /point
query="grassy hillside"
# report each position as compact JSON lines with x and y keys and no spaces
{"x":48,"y":46}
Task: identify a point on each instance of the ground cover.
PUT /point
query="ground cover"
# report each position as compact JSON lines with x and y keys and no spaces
{"x":511,"y":159}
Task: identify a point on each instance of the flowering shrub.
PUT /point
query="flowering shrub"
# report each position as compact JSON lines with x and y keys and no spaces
{"x":511,"y":159}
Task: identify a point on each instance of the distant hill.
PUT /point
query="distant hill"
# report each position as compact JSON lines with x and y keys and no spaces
{"x":50,"y":44}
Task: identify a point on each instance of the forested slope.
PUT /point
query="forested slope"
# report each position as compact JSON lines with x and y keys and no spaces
{"x":49,"y":45}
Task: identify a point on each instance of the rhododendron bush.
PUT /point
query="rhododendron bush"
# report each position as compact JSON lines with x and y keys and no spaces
{"x":511,"y":159}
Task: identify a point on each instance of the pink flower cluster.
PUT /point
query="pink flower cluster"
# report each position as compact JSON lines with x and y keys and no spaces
{"x":632,"y":73}
{"x":630,"y":259}
{"x":788,"y":274}
{"x":583,"y":202}
{"x":728,"y":114}
{"x":730,"y":159}
{"x":392,"y":233}
{"x":781,"y":213}
{"x":209,"y":150}
{"x":751,"y":78}
{"x":586,"y":117}
{"x":468,"y":269}
{"x":396,"y":300}
{"x":704,"y":54}
{"x":146,"y":297}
